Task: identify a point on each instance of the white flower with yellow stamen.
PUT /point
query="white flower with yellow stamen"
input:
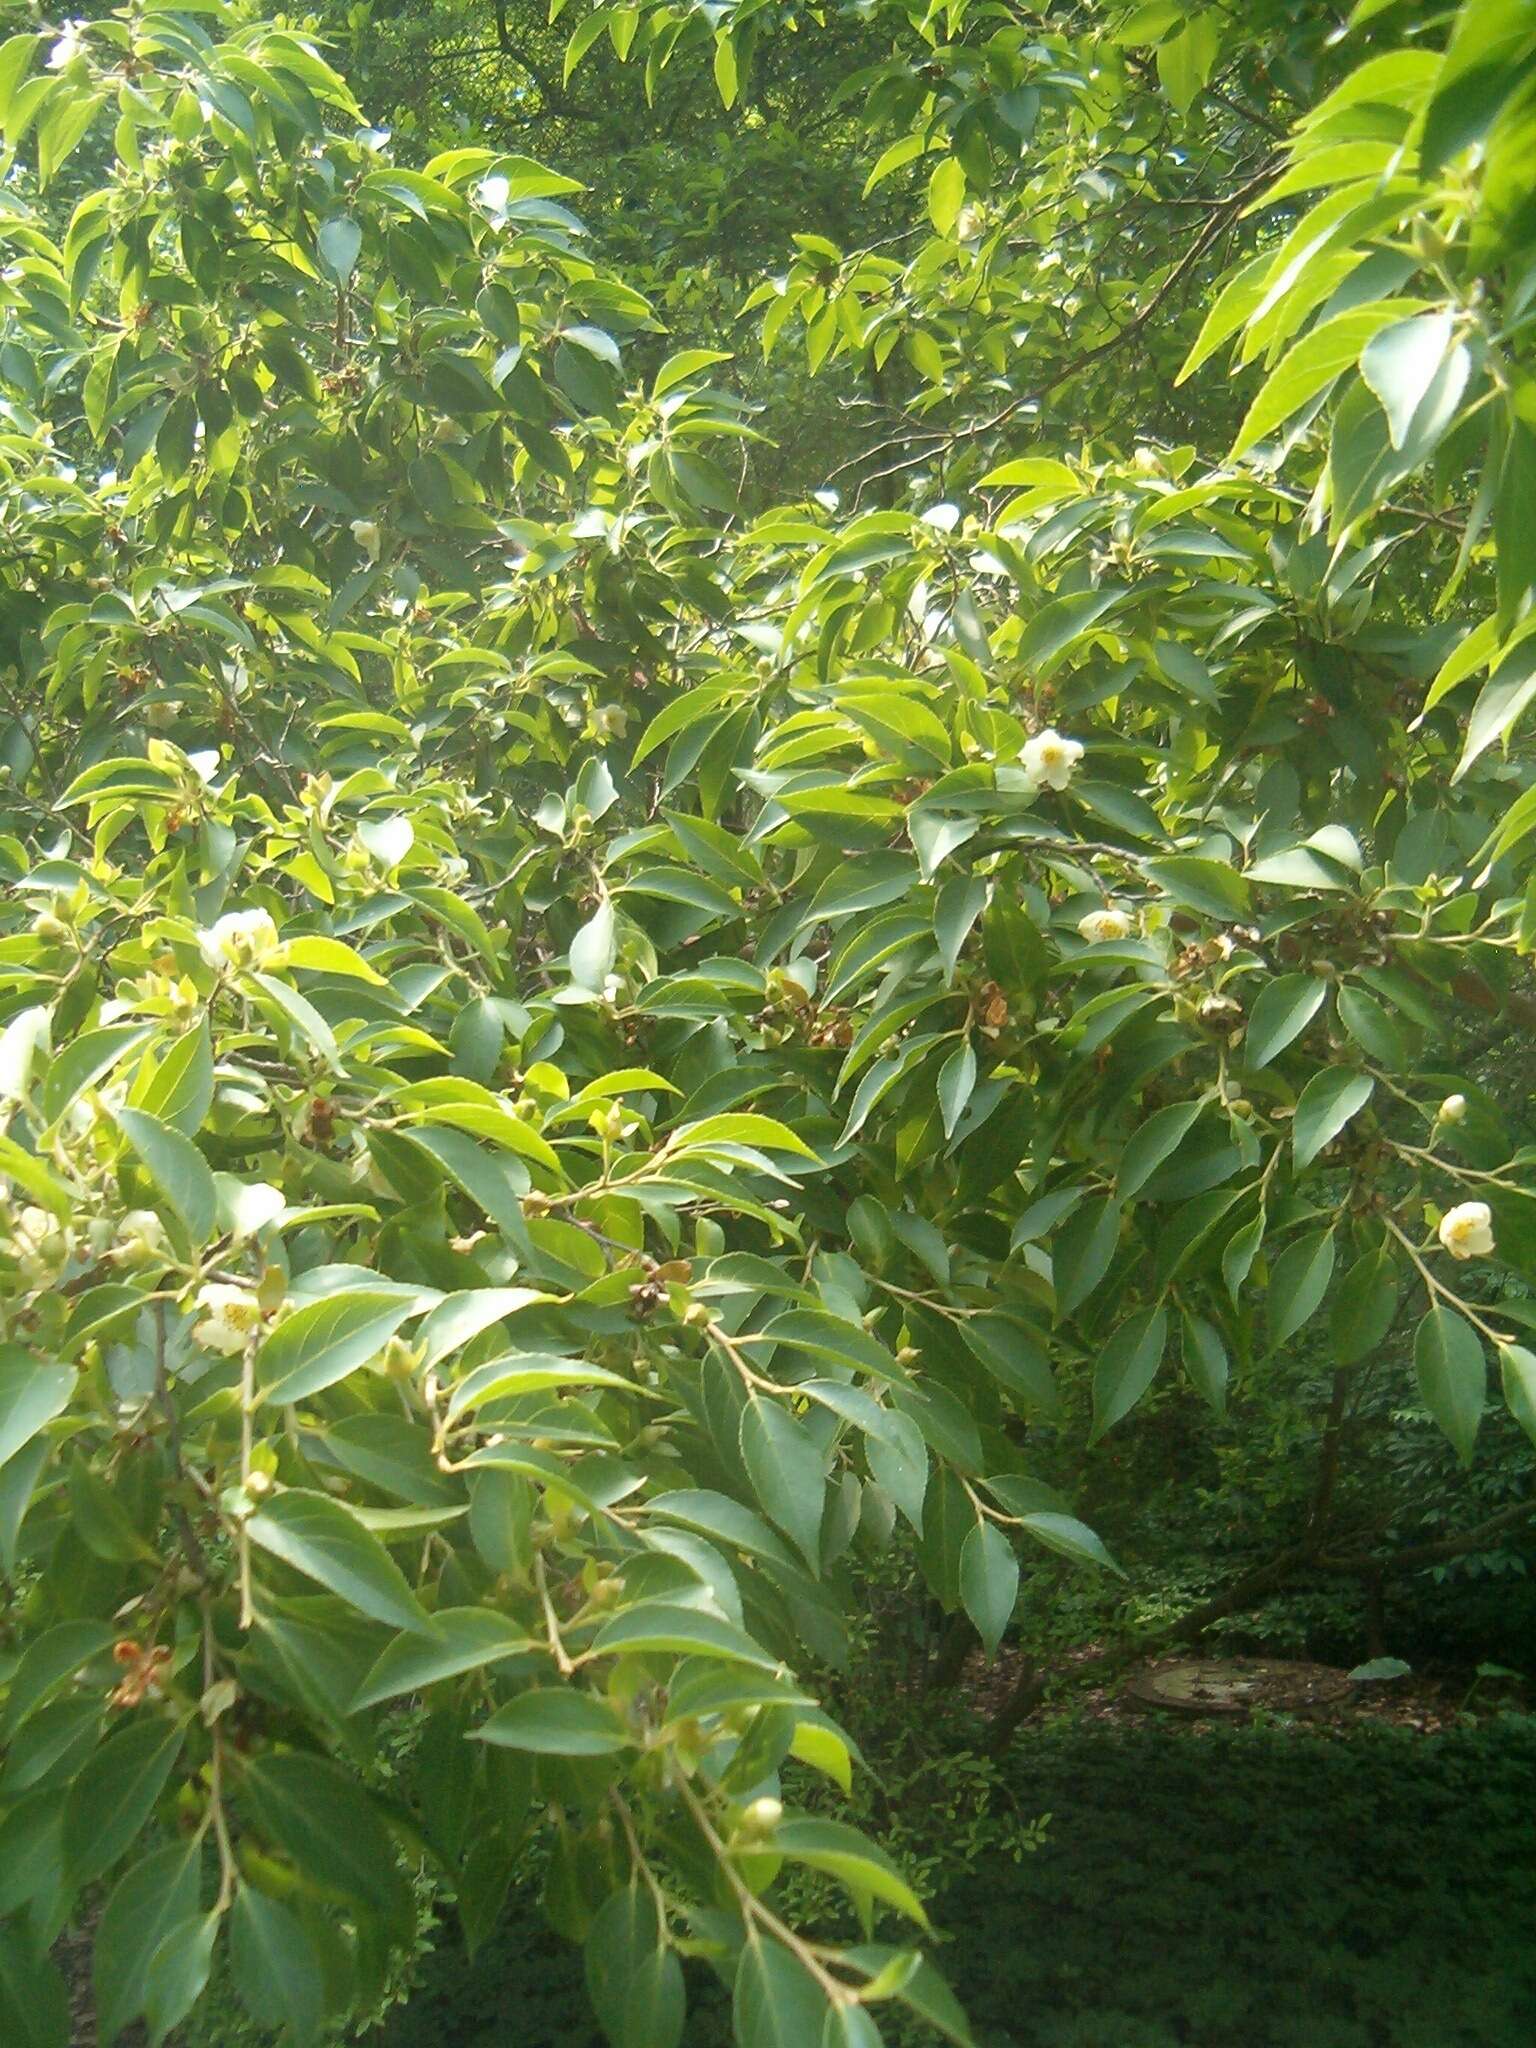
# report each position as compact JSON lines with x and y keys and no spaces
{"x":1050,"y":759}
{"x":242,"y":939}
{"x":1467,"y":1230}
{"x":231,"y":1317}
{"x":1099,"y":926}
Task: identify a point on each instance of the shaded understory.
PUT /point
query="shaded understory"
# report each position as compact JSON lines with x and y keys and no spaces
{"x":1269,"y":1886}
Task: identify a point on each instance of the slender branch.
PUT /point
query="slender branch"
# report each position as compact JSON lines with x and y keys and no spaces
{"x":1437,"y":1287}
{"x":557,"y":1649}
{"x":753,"y":1909}
{"x":190,"y":1543}
{"x":1417,"y":1555}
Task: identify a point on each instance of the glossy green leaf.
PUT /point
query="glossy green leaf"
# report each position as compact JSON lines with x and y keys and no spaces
{"x":787,"y":1472}
{"x":1452,"y":1376}
{"x":1281,"y":1012}
{"x":555,"y":1722}
{"x":1327,"y":1103}
{"x":1126,"y":1367}
{"x":989,"y":1582}
{"x":317,"y":1536}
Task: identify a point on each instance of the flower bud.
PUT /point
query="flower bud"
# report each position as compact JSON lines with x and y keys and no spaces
{"x":762,"y":1816}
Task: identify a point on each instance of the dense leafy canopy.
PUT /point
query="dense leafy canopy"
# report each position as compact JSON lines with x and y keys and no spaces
{"x":583,"y":1047}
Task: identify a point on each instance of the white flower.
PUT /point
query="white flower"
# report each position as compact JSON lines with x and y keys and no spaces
{"x":1101,"y":925}
{"x":241,"y":938}
{"x":1467,"y":1230}
{"x":1050,"y":759}
{"x":1452,"y":1110}
{"x":366,"y":533}
{"x":763,"y":1815}
{"x":231,"y":1317}
{"x":608,"y":721}
{"x":141,"y":1239}
{"x":67,"y":48}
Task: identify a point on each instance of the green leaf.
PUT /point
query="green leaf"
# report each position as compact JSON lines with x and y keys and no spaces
{"x":317,"y":1536}
{"x":459,"y":1318}
{"x":339,"y":242}
{"x":47,"y":1661}
{"x":85,"y":1061}
{"x":1068,"y":1537}
{"x":1371,"y":1025}
{"x":320,"y":1816}
{"x":178,"y":1170}
{"x":1205,"y":885}
{"x":1185,"y":61}
{"x":1399,"y":365}
{"x":916,"y":1985}
{"x":1082,"y":1251}
{"x":1452,"y":1375}
{"x":29,"y":1172}
{"x":1013,"y":1356}
{"x":788,"y":1472}
{"x":461,"y":1639}
{"x":725,"y":85}
{"x":99,"y":1518}
{"x":957,"y":1080}
{"x":959,"y":903}
{"x":1127,"y":1367}
{"x":1518,"y":1370}
{"x":763,"y":1132}
{"x":330,"y":956}
{"x":178,"y":1973}
{"x":272,"y":1960}
{"x":946,"y":193}
{"x":1327,"y":1103}
{"x":1238,"y":1257}
{"x":393,"y":1454}
{"x":656,"y":1627}
{"x":555,"y":1721}
{"x":775,"y":2004}
{"x":325,"y":1340}
{"x":1312,"y":364}
{"x":989,"y":1582}
{"x":1298,"y":1281}
{"x":149,"y":1899}
{"x":898,"y":1462}
{"x":528,"y":1372}
{"x":1365,"y":1307}
{"x":1153,"y":1142}
{"x":302,"y":1015}
{"x":1205,"y":1361}
{"x":1481,"y":69}
{"x":1503,"y":699}
{"x":114,"y":1795}
{"x":1380,"y":1668}
{"x":1057,"y":625}
{"x":634,"y":1978}
{"x":594,"y":949}
{"x":31,"y":1395}
{"x":720,"y":1518}
{"x":848,"y":1856}
{"x":1283,"y":1010}
{"x":34,"y":2006}
{"x":180,"y":1090}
